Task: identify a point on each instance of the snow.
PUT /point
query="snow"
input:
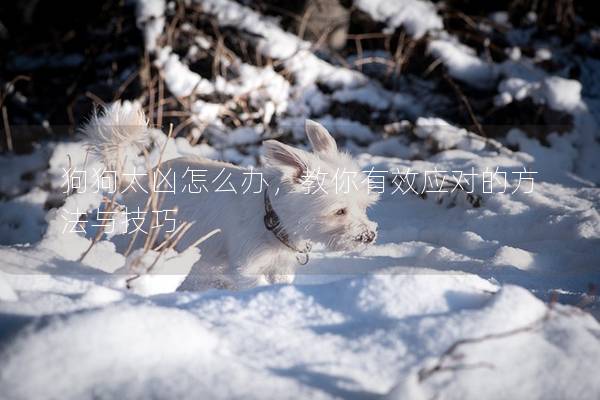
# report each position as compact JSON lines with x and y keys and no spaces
{"x":344,"y":127}
{"x":365,"y":336}
{"x":469,"y":374}
{"x":6,"y":291}
{"x":375,"y":322}
{"x":179,"y":79}
{"x":150,"y":16}
{"x":462,"y":62}
{"x":561,"y":94}
{"x":243,"y":135}
{"x":151,"y":272}
{"x":514,"y":257}
{"x":364,"y":94}
{"x":15,"y":166}
{"x":14,"y":228}
{"x":206,"y":112}
{"x":274,"y":42}
{"x":523,"y":81}
{"x":415,"y":16}
{"x":445,"y":135}
{"x":377,"y":98}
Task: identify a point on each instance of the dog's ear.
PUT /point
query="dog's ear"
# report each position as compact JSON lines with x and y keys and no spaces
{"x":286,"y":157}
{"x":320,"y":139}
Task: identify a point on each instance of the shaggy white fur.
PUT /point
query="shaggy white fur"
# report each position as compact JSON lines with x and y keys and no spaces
{"x":318,"y":197}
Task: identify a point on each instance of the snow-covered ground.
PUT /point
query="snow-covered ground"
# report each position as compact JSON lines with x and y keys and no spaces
{"x":407,"y":336}
{"x":453,"y":301}
{"x":432,"y":309}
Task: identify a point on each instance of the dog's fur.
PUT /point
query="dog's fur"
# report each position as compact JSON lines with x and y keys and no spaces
{"x":246,"y":253}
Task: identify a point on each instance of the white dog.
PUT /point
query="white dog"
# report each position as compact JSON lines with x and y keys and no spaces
{"x":318,"y":197}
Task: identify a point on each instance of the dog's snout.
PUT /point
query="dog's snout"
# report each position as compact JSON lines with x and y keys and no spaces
{"x":368,"y":236}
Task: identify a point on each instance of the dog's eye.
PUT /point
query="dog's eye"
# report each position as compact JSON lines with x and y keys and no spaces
{"x":341,"y":211}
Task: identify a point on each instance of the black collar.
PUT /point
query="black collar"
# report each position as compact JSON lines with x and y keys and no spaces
{"x":272,"y":223}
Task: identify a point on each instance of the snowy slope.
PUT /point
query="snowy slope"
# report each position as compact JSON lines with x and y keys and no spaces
{"x":406,"y":318}
{"x":72,"y":337}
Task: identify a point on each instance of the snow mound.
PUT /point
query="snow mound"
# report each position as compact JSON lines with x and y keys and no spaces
{"x":415,"y":16}
{"x":561,"y":338}
{"x":150,"y":16}
{"x":463,"y":63}
{"x":385,"y":334}
{"x":153,"y":272}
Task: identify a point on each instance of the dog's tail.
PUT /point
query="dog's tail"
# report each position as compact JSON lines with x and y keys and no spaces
{"x":116,"y":132}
